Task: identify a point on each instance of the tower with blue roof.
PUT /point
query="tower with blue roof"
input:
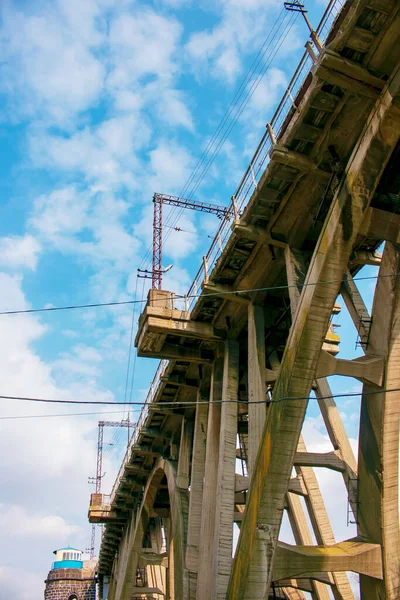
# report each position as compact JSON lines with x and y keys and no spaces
{"x":71,"y":577}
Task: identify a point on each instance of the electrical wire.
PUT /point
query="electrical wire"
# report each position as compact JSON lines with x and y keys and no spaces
{"x":239,"y":92}
{"x":181,"y":405}
{"x":177,"y":296}
{"x":131,"y":348}
{"x":80,"y":414}
{"x":240,"y":110}
{"x":188,"y":231}
{"x":130,"y":342}
{"x":135,"y":357}
{"x":276,"y":28}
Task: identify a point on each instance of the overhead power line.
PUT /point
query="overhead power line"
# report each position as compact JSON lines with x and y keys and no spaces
{"x":177,"y":296}
{"x":232,"y":113}
{"x":238,"y":110}
{"x":180,"y":405}
{"x":80,"y":414}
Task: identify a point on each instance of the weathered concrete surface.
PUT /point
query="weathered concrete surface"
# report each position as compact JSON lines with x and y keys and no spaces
{"x":310,"y":213}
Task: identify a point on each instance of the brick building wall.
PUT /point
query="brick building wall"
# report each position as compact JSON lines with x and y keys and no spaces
{"x":61,"y":583}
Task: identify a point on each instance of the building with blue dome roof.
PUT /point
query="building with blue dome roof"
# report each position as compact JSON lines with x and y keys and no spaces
{"x":68,"y":558}
{"x":71,"y":577}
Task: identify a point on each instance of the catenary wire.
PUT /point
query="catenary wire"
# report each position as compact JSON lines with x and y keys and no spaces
{"x":80,"y":414}
{"x":177,"y":296}
{"x":180,"y":405}
{"x":130,"y":342}
{"x":135,"y":356}
{"x":256,"y":61}
{"x":241,"y":108}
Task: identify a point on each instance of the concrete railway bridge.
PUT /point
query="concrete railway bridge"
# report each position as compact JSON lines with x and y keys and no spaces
{"x":240,"y":360}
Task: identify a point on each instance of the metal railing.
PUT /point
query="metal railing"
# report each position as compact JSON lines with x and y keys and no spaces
{"x":142,"y":419}
{"x":260,"y":159}
{"x":243,"y":193}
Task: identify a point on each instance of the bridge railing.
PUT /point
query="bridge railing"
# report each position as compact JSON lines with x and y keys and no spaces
{"x":141,"y":421}
{"x":260,"y":159}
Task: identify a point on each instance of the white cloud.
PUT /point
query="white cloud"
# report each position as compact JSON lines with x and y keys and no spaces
{"x":17,"y":521}
{"x":61,"y":212}
{"x":241,"y":30}
{"x":170,"y":167}
{"x":104,"y":154}
{"x":48,"y":60}
{"x":20,"y":583}
{"x":133,"y":55}
{"x":90,"y":226}
{"x":19,"y":252}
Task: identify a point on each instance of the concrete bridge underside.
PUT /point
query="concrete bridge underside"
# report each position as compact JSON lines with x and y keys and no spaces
{"x":241,"y":365}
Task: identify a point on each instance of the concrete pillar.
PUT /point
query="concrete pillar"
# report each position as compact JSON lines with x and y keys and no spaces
{"x":223,"y":540}
{"x":197,"y":480}
{"x":296,"y":270}
{"x":256,"y":381}
{"x":219,"y":482}
{"x":185,"y":449}
{"x":207,"y":559}
{"x":378,"y":460}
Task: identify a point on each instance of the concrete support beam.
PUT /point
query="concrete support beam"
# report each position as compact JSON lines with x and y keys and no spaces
{"x":368,"y":369}
{"x":147,"y":592}
{"x":381,"y":225}
{"x":296,"y":269}
{"x":329,"y":460}
{"x":321,"y":525}
{"x":355,"y":305}
{"x":296,"y":486}
{"x":242,"y":483}
{"x":296,"y":160}
{"x":348,"y":75}
{"x":174,"y":352}
{"x":363,"y":257}
{"x":256,"y":234}
{"x":197,"y":478}
{"x":223,"y":539}
{"x":185,"y":449}
{"x":186,"y":328}
{"x":360,"y":557}
{"x":256,"y":381}
{"x":378,"y":460}
{"x":303,"y":536}
{"x":334,"y":425}
{"x":207,"y":562}
{"x":219,"y":482}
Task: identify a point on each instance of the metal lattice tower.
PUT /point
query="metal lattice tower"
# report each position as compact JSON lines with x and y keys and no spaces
{"x":159,"y":199}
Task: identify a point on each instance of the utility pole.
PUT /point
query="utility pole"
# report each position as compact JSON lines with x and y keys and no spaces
{"x":157,"y":271}
{"x":296,"y":6}
{"x":99,"y":466}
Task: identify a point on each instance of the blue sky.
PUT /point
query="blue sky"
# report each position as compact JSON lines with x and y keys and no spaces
{"x":102,"y":103}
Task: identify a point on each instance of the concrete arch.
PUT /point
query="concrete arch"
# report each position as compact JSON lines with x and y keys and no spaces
{"x":128,"y":562}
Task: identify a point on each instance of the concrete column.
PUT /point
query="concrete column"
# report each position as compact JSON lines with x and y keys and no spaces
{"x":197,"y":480}
{"x":185,"y":449}
{"x":296,"y":270}
{"x":223,"y":539}
{"x":378,"y":460}
{"x":219,"y":482}
{"x":207,"y":559}
{"x":256,"y":381}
